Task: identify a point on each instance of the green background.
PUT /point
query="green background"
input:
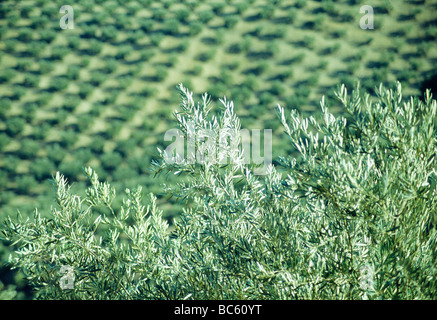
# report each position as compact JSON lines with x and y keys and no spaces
{"x":102,"y":94}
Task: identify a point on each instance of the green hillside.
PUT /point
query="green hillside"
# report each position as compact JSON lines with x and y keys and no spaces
{"x":102,"y":94}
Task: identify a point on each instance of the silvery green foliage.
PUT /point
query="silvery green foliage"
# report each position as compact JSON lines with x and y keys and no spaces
{"x":369,"y":185}
{"x":108,"y":256}
{"x":352,"y":217}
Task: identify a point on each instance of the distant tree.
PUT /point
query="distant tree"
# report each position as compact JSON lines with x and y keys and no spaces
{"x":41,"y":131}
{"x":45,"y":66}
{"x":268,"y":11}
{"x":38,"y":22}
{"x":17,"y":93}
{"x":218,"y":7}
{"x":113,"y":128}
{"x":109,"y":33}
{"x":3,"y":30}
{"x":350,"y":16}
{"x":308,"y":41}
{"x":170,"y":26}
{"x":85,"y":89}
{"x":10,"y":45}
{"x":47,"y":35}
{"x":25,"y":11}
{"x":182,"y":15}
{"x":73,"y":72}
{"x":35,"y":48}
{"x":42,"y":168}
{"x":241,"y":7}
{"x":68,"y":138}
{"x":6,"y":75}
{"x":25,"y":184}
{"x":111,"y":97}
{"x":83,"y":155}
{"x":123,"y":173}
{"x":284,"y":75}
{"x":183,"y":46}
{"x":43,"y":99}
{"x":323,"y":64}
{"x":277,"y":88}
{"x":430,"y":82}
{"x":12,"y":19}
{"x":110,"y":66}
{"x":205,"y":16}
{"x":59,"y":83}
{"x":5,"y":106}
{"x":73,"y":42}
{"x":302,"y":91}
{"x":251,"y":81}
{"x":216,"y":90}
{"x":29,"y":111}
{"x":50,"y":12}
{"x":111,"y":160}
{"x":266,"y":98}
{"x":10,"y":163}
{"x":260,"y":68}
{"x":124,"y":81}
{"x":84,"y":62}
{"x":195,"y":27}
{"x":83,"y":122}
{"x":231,"y":21}
{"x":353,"y":66}
{"x":125,"y":112}
{"x":328,"y":6}
{"x":4,"y":10}
{"x":160,"y":73}
{"x":60,"y":116}
{"x":146,"y":25}
{"x":4,"y":140}
{"x":55,"y":153}
{"x":23,"y":65}
{"x":206,"y":55}
{"x":72,"y":169}
{"x":28,"y":148}
{"x":156,"y":38}
{"x":300,"y":4}
{"x":126,"y":147}
{"x":135,"y":36}
{"x":159,"y":14}
{"x":122,"y":21}
{"x":99,"y":17}
{"x":227,"y":77}
{"x":14,"y":126}
{"x":97,"y":78}
{"x":313,"y":79}
{"x":240,"y":94}
{"x":31,"y":80}
{"x":59,"y":52}
{"x":71,"y":102}
{"x":25,"y":34}
{"x":97,"y":144}
{"x":96,"y":110}
{"x":298,"y":58}
{"x":123,"y":52}
{"x":94,"y":47}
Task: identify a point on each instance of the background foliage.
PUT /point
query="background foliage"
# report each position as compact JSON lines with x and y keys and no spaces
{"x":102,"y":94}
{"x":362,"y":194}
